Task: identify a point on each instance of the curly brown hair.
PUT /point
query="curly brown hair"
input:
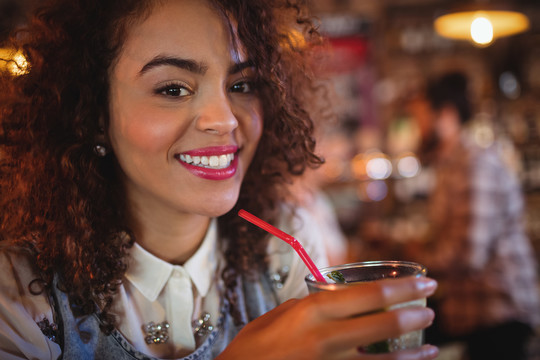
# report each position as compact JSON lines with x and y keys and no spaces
{"x":66,"y":205}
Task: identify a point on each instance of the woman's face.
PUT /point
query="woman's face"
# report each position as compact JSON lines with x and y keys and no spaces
{"x":185,"y":119}
{"x":447,"y":124}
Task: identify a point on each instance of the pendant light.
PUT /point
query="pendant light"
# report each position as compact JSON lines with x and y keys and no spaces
{"x":481,"y":24}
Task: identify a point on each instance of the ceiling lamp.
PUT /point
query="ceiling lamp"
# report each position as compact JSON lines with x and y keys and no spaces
{"x":481,"y":26}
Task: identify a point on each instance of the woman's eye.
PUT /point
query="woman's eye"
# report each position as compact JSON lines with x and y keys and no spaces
{"x":173,"y":91}
{"x":242,"y":87}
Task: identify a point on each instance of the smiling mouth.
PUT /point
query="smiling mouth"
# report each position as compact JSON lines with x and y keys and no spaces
{"x":209,"y":162}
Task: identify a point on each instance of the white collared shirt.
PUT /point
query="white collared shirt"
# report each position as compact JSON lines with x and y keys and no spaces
{"x":153,"y":291}
{"x":158,"y":292}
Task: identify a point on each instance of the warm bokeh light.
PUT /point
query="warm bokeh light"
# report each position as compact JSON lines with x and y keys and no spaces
{"x":379,"y":168}
{"x":408,"y":166}
{"x":371,"y":165}
{"x":358,"y":166}
{"x":459,"y":25}
{"x":295,"y":39}
{"x":482,"y":31}
{"x":13,"y":61}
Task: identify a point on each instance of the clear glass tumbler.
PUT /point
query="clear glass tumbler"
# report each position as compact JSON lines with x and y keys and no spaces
{"x":356,"y":273}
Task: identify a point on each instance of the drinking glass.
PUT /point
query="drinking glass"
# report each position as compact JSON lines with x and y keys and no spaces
{"x":357,"y":273}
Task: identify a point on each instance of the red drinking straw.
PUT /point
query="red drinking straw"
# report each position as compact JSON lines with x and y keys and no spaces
{"x":287,"y":238}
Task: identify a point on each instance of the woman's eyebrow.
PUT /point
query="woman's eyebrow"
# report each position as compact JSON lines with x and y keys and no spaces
{"x":186,"y":64}
{"x":238,"y":67}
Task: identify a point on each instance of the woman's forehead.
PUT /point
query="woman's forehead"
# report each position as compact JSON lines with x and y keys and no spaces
{"x":184,"y":23}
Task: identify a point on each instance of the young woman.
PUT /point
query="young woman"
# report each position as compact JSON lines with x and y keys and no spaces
{"x":138,"y":131}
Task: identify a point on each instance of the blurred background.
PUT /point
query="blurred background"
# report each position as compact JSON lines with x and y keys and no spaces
{"x":378,"y":173}
{"x":382,"y":55}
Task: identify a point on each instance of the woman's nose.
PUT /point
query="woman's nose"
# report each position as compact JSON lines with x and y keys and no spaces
{"x":216,"y":116}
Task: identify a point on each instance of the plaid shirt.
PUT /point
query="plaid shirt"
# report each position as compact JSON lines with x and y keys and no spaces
{"x":477,"y":248}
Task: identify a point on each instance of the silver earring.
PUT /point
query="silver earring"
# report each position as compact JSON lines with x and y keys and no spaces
{"x":100,"y":150}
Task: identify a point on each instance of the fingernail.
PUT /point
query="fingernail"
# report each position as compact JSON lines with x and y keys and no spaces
{"x":430,"y":351}
{"x":431,"y":315}
{"x":426,"y":285}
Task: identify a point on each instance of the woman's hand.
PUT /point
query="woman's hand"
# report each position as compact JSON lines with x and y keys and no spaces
{"x":330,"y":324}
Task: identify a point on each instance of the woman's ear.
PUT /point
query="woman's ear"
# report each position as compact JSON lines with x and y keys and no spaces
{"x":100,"y":136}
{"x":101,"y":147}
{"x":101,"y":124}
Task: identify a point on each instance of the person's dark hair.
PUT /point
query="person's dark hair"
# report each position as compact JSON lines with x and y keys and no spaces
{"x":451,"y":89}
{"x":65,"y":204}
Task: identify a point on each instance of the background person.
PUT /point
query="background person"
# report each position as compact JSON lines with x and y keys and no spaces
{"x":476,"y":246}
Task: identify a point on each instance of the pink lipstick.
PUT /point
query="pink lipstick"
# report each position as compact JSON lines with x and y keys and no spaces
{"x":211,"y":163}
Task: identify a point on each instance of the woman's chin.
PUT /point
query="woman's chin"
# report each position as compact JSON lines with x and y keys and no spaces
{"x":216,"y":210}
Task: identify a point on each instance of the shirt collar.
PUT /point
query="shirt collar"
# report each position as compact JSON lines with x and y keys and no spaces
{"x":202,"y":266}
{"x":149,"y":274}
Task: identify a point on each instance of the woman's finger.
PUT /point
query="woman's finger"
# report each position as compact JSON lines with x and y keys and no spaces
{"x":368,"y":329}
{"x":380,"y":326}
{"x":368,"y":297}
{"x":425,"y":352}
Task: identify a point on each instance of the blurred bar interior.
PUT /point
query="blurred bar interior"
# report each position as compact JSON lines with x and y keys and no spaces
{"x":382,"y":53}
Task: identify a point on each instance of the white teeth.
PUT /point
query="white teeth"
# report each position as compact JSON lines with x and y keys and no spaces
{"x":223,"y":160}
{"x":213,"y":162}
